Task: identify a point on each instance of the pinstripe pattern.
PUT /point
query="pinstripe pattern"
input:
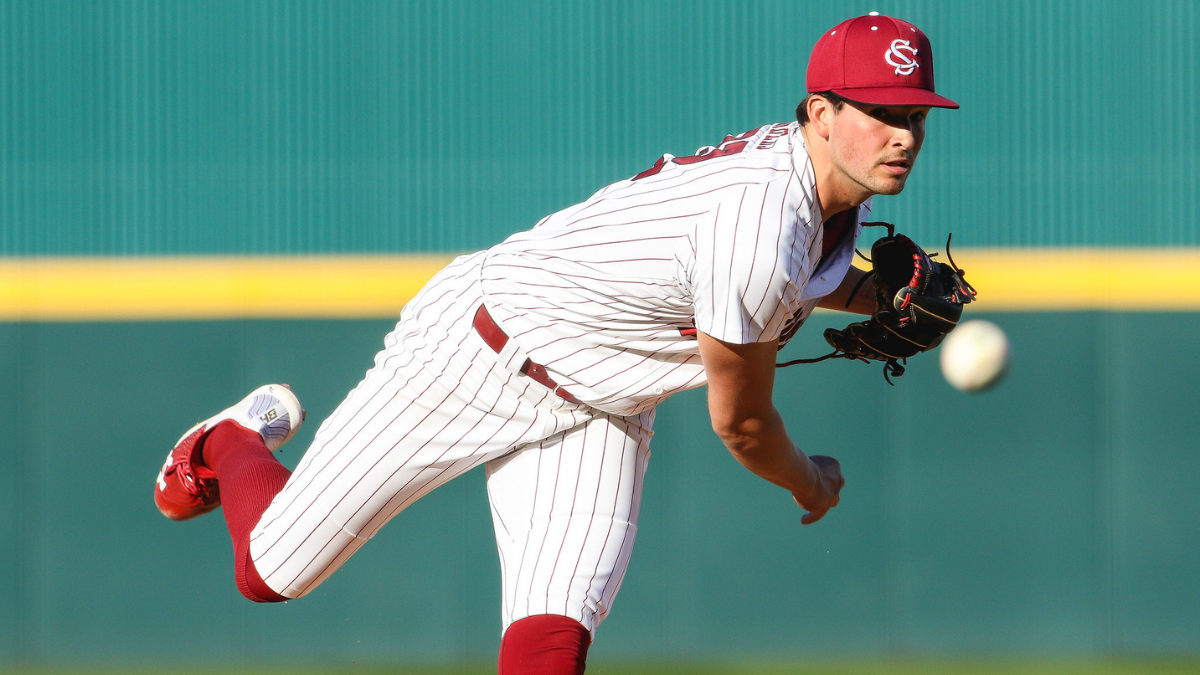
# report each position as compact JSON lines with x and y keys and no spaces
{"x":725,"y":242}
{"x":565,"y":512}
{"x":600,"y":294}
{"x":435,"y":405}
{"x":438,"y":403}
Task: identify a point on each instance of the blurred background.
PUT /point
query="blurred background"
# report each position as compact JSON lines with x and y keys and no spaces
{"x":1053,"y":516}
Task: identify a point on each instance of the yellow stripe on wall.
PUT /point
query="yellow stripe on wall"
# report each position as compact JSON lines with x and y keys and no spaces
{"x":1065,"y":279}
{"x":103,"y":289}
{"x":337,"y":287}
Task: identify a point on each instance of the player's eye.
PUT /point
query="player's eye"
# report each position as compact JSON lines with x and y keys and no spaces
{"x":917,"y":117}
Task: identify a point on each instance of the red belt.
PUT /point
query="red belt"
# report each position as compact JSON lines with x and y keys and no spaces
{"x":495,"y":338}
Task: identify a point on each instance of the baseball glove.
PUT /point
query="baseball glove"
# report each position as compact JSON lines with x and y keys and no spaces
{"x":917,"y":300}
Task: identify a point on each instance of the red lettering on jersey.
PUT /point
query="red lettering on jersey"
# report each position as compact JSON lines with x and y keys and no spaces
{"x":776,"y":133}
{"x":730,"y":146}
{"x":658,"y":166}
{"x":708,"y":152}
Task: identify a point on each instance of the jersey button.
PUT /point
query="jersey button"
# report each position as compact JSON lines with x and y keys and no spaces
{"x":658,"y":390}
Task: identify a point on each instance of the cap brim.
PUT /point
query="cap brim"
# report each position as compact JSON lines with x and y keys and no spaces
{"x":895,"y":96}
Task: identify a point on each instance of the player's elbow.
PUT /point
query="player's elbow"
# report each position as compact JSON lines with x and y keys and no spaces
{"x":740,"y":435}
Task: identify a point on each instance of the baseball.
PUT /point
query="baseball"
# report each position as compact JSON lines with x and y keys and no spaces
{"x":974,"y":355}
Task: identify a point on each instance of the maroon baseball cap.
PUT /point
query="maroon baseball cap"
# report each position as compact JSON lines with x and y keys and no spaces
{"x":875,"y":59}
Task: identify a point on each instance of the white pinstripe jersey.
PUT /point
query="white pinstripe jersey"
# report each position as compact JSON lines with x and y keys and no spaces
{"x":608,"y":294}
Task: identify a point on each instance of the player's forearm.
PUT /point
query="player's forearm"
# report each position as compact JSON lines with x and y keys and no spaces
{"x":740,"y":382}
{"x":763,"y":447}
{"x":863,"y":302}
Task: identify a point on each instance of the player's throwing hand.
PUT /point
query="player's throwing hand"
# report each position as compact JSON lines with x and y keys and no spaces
{"x":824,"y":491}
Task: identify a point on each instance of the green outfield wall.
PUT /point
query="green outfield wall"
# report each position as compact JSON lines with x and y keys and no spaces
{"x":1055,"y":515}
{"x":228,"y":126}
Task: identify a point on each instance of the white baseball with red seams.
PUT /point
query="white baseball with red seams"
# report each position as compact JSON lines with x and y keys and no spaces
{"x":607,"y":295}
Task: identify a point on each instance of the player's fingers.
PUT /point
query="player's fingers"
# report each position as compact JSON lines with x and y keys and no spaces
{"x":815,"y":514}
{"x":836,"y":483}
{"x":831,"y":472}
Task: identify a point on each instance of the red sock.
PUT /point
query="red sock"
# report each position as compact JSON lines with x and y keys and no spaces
{"x":546,"y":644}
{"x":249,"y":477}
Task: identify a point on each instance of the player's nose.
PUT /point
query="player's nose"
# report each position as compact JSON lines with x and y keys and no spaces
{"x":904,"y":138}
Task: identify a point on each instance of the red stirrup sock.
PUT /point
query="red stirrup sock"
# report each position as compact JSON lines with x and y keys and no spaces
{"x":546,"y":644}
{"x":249,"y":477}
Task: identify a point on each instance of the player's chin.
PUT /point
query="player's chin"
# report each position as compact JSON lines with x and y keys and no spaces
{"x":891,"y":186}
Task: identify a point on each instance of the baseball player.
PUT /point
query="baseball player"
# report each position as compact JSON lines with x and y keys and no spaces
{"x":543,"y":358}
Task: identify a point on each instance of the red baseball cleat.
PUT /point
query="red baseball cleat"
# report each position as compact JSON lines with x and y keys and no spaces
{"x":186,"y":488}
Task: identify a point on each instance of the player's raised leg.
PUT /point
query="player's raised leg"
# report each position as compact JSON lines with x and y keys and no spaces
{"x":565,"y":512}
{"x":437,"y":403}
{"x":400,"y":434}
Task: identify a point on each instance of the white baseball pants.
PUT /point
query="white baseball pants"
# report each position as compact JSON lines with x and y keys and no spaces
{"x":564,"y":479}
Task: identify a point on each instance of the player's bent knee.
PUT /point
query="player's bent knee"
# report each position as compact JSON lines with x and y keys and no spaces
{"x":546,"y":644}
{"x":251,"y":584}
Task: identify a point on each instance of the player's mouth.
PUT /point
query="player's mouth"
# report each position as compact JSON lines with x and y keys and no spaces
{"x":897,"y":167}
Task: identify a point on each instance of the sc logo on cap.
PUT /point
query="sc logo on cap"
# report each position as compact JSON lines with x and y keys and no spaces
{"x":905,"y":63}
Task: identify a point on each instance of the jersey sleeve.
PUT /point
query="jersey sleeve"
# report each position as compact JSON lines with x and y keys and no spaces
{"x":750,"y":266}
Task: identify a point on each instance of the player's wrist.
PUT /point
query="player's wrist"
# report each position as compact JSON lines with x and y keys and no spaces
{"x":810,"y":482}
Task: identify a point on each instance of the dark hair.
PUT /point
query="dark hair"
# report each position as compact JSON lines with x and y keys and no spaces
{"x":802,"y":110}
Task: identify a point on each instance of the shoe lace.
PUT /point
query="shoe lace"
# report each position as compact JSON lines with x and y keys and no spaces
{"x":188,"y":479}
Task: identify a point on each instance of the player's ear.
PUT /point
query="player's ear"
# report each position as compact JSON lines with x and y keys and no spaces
{"x":820,"y":115}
